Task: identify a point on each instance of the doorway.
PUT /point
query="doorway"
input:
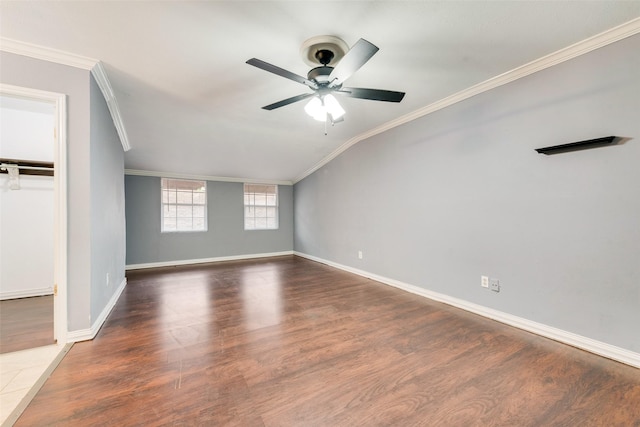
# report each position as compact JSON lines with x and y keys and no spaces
{"x":33,"y":218}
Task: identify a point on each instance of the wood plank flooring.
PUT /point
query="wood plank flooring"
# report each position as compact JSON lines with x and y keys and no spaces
{"x":26,"y":323}
{"x":289,"y":342}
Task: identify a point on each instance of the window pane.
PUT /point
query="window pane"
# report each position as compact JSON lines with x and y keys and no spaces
{"x":184,"y":224}
{"x":184,"y":205}
{"x":199,"y":198}
{"x":261,"y":212}
{"x":185,"y":197}
{"x":169,"y":211}
{"x":198,"y":211}
{"x":260,"y":188}
{"x":261,"y":206}
{"x":185,"y":211}
{"x":169,"y":224}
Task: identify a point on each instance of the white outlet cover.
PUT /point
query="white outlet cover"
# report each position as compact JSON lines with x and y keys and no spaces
{"x":484,"y":281}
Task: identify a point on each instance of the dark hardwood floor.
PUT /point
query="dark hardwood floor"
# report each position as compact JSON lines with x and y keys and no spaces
{"x":26,"y":323}
{"x":289,"y":342}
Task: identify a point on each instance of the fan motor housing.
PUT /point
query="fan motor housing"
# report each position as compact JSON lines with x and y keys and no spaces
{"x":320,"y":74}
{"x":324,"y":56}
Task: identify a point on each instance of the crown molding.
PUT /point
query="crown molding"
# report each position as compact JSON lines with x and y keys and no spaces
{"x":46,"y":53}
{"x":605,"y":38}
{"x":77,"y":61}
{"x":138,"y":172}
{"x":100,"y":75}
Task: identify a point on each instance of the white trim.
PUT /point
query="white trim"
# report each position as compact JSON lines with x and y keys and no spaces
{"x":89,"y":334}
{"x":585,"y":46}
{"x":59,"y":100}
{"x":597,"y":347}
{"x":46,"y":54}
{"x":81,"y":335}
{"x":205,"y":260}
{"x":137,"y":172}
{"x":37,"y":292}
{"x":100,"y":75}
{"x":61,"y":220}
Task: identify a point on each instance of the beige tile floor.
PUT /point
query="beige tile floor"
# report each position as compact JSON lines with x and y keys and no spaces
{"x":20,"y":371}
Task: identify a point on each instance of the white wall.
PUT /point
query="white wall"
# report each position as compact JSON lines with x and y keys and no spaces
{"x":26,"y":215}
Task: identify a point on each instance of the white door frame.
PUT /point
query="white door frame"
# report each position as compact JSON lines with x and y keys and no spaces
{"x":59,"y":100}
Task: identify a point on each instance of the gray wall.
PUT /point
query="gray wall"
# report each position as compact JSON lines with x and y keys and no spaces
{"x":43,"y":75}
{"x":89,"y":145}
{"x":107,"y":205}
{"x":225,"y":236}
{"x":461,"y":193}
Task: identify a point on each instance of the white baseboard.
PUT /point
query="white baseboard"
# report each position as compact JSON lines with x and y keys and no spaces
{"x":597,"y":347}
{"x":89,"y":334}
{"x":205,"y":260}
{"x":38,"y":292}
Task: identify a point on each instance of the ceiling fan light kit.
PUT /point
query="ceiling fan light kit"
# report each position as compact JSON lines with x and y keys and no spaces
{"x":333,"y":64}
{"x":324,"y":108}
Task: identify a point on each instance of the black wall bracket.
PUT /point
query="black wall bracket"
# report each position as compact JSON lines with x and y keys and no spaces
{"x":575,"y":146}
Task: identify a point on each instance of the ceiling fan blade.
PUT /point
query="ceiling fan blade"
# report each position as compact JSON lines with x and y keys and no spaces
{"x":287,"y":101}
{"x":281,"y":72}
{"x":373,"y":94}
{"x":357,"y":56}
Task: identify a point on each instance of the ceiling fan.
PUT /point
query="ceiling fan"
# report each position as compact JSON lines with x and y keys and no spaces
{"x":333,"y":64}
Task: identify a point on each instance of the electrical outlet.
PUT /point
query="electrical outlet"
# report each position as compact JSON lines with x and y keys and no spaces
{"x":484,"y":281}
{"x":495,"y":285}
{"x":359,"y":254}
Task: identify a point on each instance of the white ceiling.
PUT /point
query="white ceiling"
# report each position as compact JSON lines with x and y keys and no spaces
{"x":190,"y":104}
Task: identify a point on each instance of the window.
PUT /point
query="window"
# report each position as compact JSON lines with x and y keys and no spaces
{"x":184,"y":205}
{"x":260,"y":207}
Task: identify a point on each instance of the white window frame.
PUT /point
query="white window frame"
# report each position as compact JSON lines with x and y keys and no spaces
{"x":167,"y":202}
{"x":253,"y":207}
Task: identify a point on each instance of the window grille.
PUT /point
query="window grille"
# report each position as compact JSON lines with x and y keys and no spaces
{"x":184,"y":205}
{"x":260,"y":207}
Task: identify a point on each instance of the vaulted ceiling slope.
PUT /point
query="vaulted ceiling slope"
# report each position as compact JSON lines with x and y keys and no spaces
{"x":192,"y":106}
